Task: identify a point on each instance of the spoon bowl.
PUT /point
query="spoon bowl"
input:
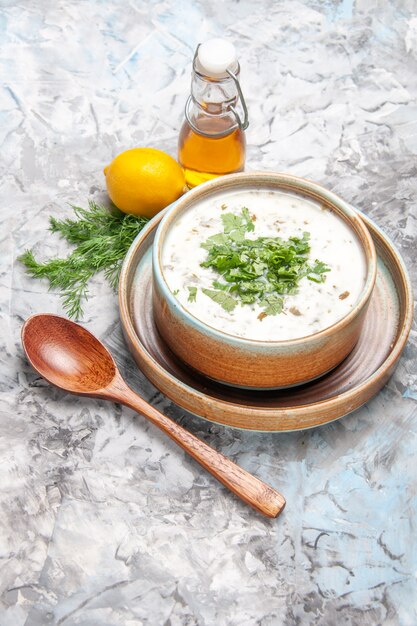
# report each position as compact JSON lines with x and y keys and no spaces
{"x":71,"y":358}
{"x":67,"y":355}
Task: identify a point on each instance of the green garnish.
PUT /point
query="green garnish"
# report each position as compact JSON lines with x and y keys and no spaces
{"x":258,"y":270}
{"x":102,"y":238}
{"x":272,"y":304}
{"x":222,"y":298}
{"x":192,"y":294}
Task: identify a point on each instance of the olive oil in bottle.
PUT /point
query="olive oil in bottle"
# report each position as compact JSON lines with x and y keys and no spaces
{"x":212,"y":137}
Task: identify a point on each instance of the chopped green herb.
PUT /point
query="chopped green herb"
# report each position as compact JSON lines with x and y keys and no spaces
{"x":214,"y":240}
{"x":192,"y":296}
{"x":235,"y":226}
{"x":176,"y":292}
{"x":221,"y":297}
{"x":260,"y":270}
{"x":222,"y":286}
{"x":319,"y":268}
{"x":272,"y":304}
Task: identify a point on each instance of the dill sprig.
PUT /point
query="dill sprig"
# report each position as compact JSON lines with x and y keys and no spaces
{"x":102,"y":238}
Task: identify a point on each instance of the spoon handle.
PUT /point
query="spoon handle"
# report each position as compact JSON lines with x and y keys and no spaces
{"x":250,"y":489}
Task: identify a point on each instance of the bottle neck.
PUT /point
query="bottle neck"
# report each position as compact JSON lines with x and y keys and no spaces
{"x":211,"y":107}
{"x":214,"y":96}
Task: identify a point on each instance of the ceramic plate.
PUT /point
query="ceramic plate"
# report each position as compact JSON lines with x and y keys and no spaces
{"x":357,"y":379}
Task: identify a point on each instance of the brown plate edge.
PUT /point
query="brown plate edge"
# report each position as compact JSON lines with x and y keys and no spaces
{"x":264,"y":419}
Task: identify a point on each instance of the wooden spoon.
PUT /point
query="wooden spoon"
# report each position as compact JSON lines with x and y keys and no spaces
{"x":71,"y":358}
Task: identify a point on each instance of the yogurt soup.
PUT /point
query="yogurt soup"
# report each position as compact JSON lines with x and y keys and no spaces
{"x":315,"y":306}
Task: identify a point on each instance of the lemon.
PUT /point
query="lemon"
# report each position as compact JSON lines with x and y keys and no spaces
{"x":142,"y":181}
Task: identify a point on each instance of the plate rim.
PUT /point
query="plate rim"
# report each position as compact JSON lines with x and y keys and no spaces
{"x":298,"y":417}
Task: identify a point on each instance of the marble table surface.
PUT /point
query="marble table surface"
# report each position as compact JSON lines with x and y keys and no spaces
{"x":103,"y":521}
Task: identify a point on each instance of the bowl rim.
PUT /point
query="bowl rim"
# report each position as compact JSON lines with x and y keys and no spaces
{"x":286,"y":182}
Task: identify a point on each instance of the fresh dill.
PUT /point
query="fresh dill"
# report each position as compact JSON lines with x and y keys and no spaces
{"x":102,"y":237}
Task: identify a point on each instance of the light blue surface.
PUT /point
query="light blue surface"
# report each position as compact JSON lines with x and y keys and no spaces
{"x":103,"y":521}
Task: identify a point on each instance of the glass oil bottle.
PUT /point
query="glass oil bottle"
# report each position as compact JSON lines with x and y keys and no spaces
{"x":212,"y":138}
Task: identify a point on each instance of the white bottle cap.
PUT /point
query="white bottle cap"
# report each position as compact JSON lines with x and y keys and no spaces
{"x":215,"y":56}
